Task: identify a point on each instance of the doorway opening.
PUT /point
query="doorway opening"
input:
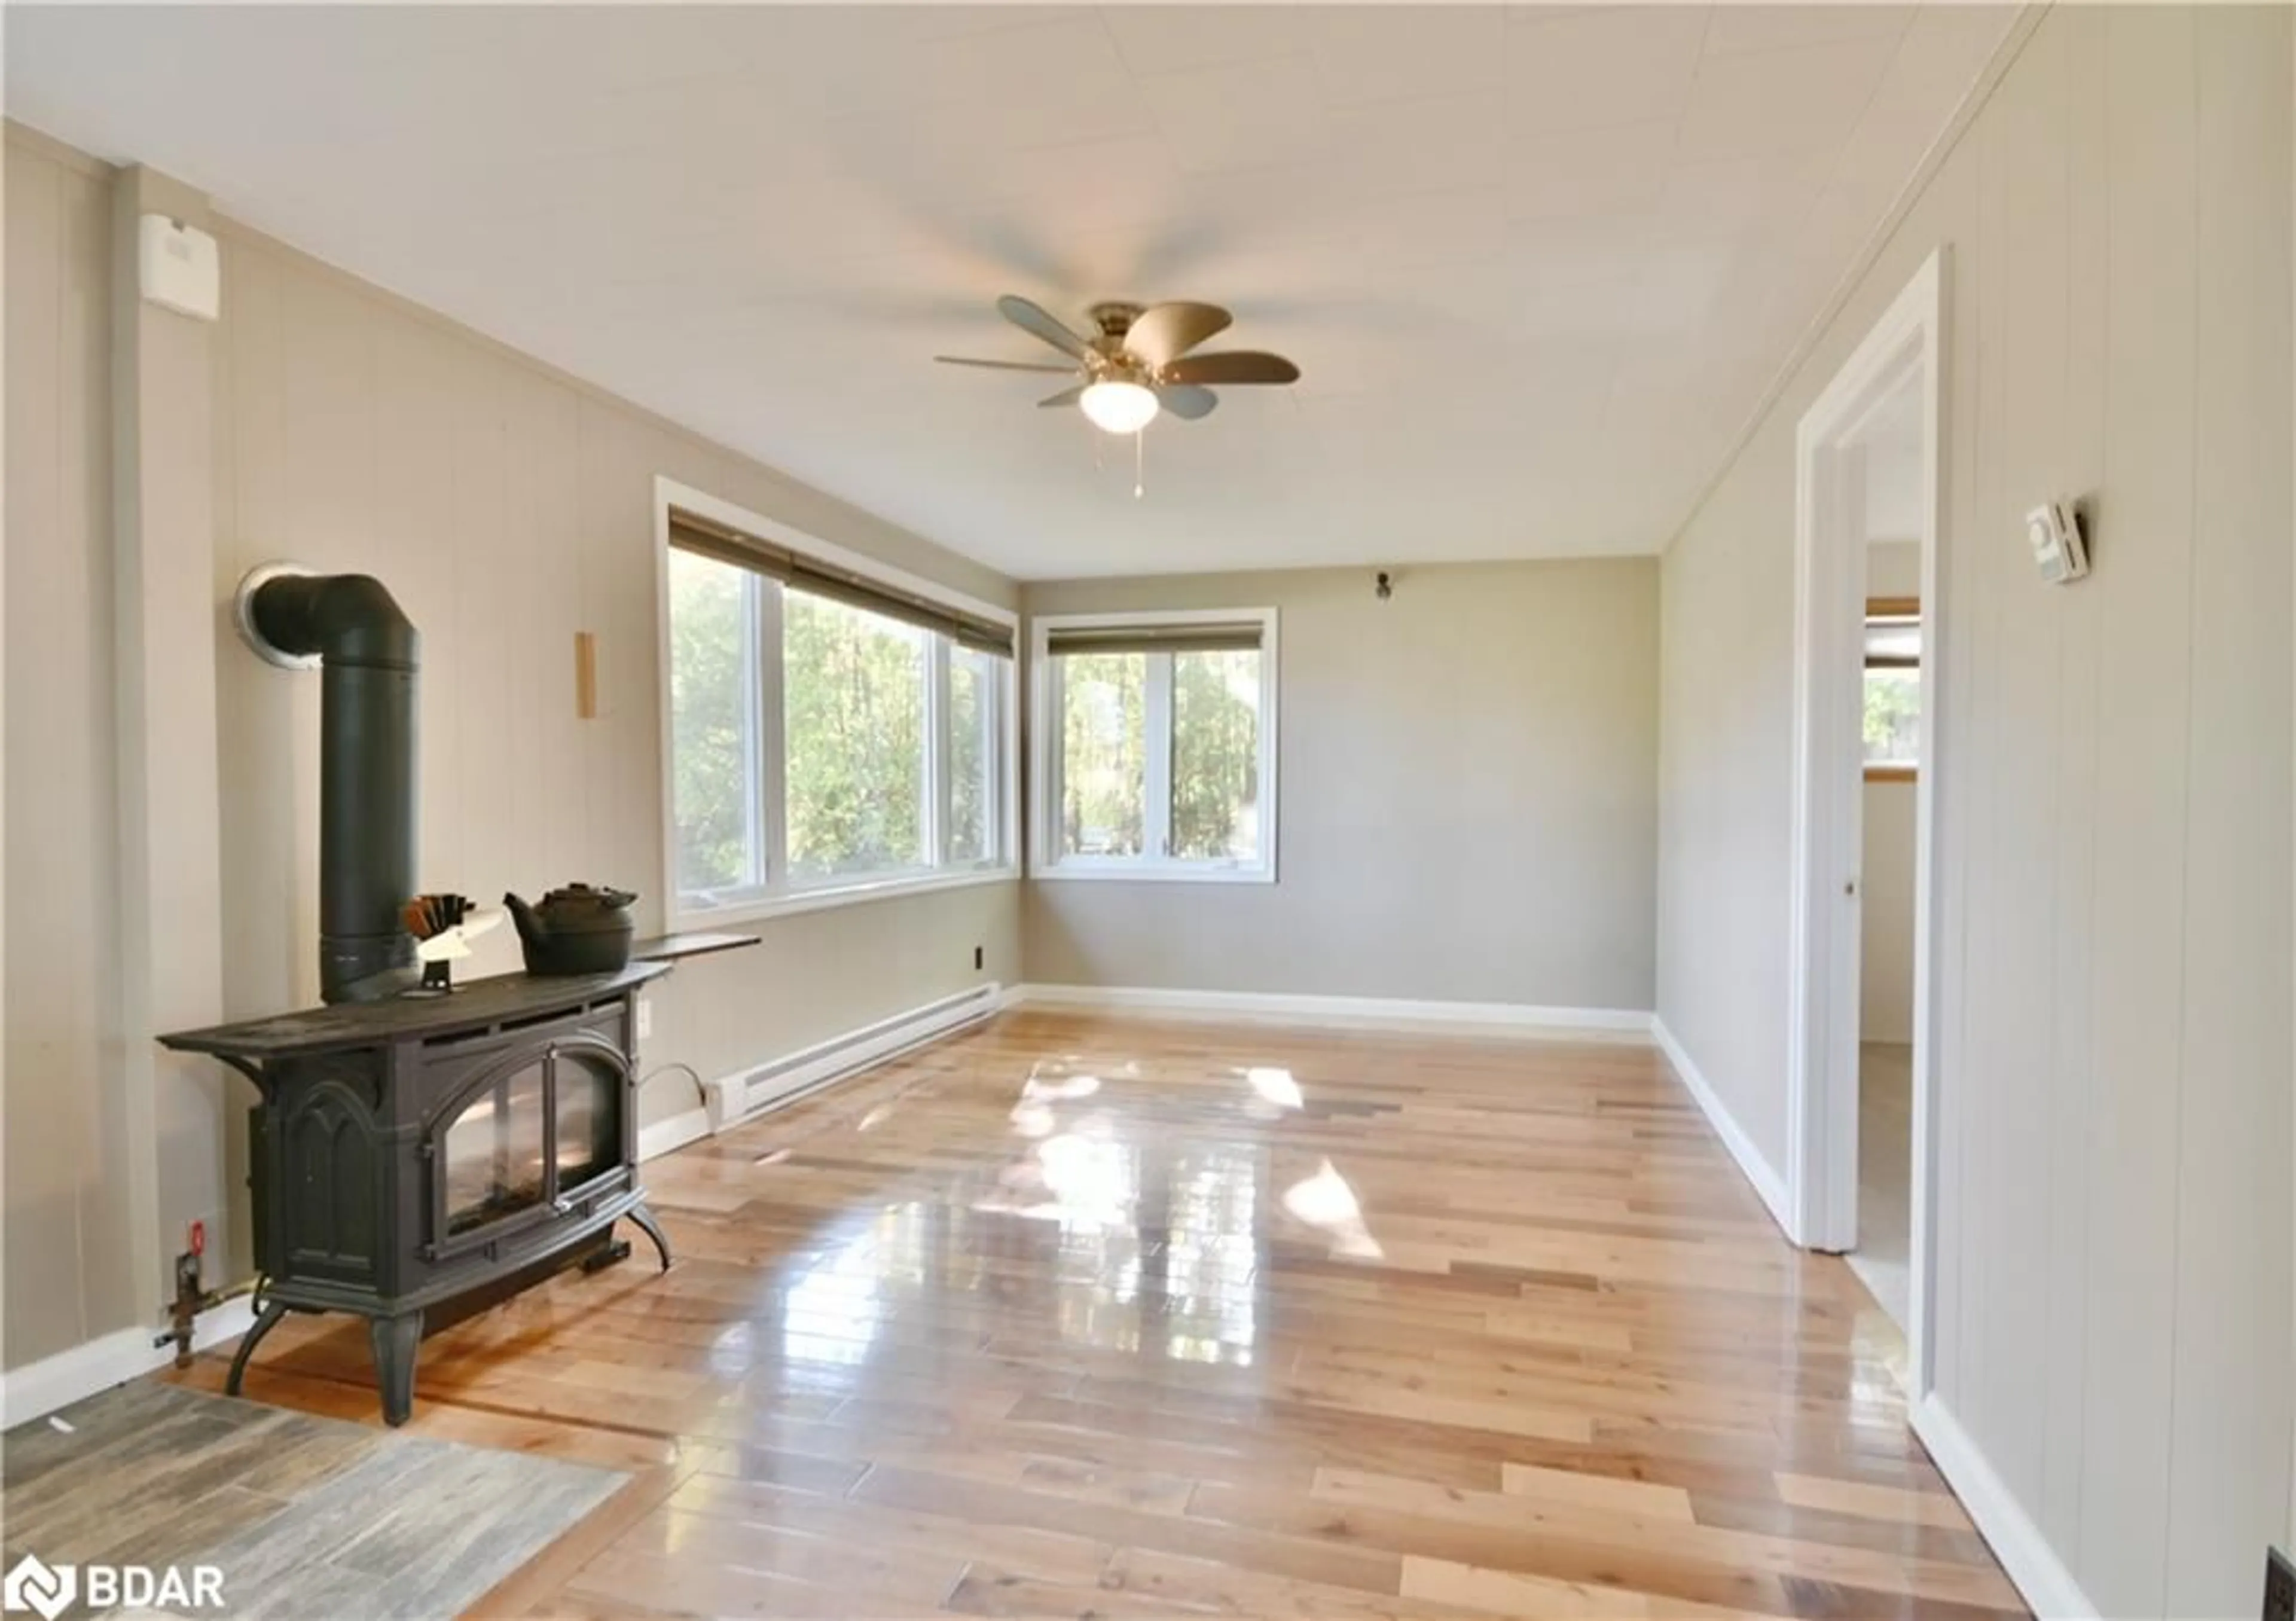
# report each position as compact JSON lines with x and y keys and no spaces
{"x":1859,"y":1053}
{"x":1888,"y":447}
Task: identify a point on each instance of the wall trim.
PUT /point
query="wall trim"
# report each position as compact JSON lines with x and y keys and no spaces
{"x":746,"y":1092}
{"x":39,"y":1389}
{"x":40,"y":144}
{"x":1908,"y":343}
{"x":2025,"y":1554}
{"x":1284,"y":1007}
{"x":673,"y":1133}
{"x":1756,"y":1169}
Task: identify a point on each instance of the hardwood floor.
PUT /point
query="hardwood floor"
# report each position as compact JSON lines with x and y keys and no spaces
{"x":1078,"y":1317}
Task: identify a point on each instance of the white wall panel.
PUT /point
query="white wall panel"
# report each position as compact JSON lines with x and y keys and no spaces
{"x":2115,"y":806}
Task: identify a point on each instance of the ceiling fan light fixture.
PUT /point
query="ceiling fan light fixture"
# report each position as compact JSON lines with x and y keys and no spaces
{"x":1116,"y":406}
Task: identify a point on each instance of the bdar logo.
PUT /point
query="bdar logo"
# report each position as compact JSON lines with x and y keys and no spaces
{"x":31,"y":1584}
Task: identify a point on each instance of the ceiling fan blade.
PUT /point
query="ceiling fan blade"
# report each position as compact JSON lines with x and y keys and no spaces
{"x":1162,"y":334}
{"x":1035,"y":320}
{"x":1185,"y":400}
{"x":1230,"y":366}
{"x":1066,"y":397}
{"x":1003,"y":365}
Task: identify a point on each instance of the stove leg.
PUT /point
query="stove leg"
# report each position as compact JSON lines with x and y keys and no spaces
{"x":608,"y":1253}
{"x":266,"y":1320}
{"x":651,"y":1228}
{"x":394,"y":1341}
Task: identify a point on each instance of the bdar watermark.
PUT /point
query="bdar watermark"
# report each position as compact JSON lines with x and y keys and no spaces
{"x":33,"y":1585}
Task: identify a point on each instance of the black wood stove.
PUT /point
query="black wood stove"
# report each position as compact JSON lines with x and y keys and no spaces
{"x":413,"y":1150}
{"x":411,"y":1153}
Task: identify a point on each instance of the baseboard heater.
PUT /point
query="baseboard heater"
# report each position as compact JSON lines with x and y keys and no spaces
{"x":733,"y":1098}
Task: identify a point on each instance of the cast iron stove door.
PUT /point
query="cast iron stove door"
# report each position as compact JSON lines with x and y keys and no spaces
{"x":489,"y":1158}
{"x":525,"y":1142}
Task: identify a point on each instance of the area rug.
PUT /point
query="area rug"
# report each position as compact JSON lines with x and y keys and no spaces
{"x":294,"y":1516}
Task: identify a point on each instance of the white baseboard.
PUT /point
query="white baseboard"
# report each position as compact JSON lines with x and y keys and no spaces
{"x":2040,"y":1575}
{"x":736,"y":1097}
{"x":675,"y":1133}
{"x":1370,"y":1012}
{"x":1758,"y":1170}
{"x":39,"y":1389}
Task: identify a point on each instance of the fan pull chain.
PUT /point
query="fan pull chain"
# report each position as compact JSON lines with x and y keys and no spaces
{"x":1139,"y":462}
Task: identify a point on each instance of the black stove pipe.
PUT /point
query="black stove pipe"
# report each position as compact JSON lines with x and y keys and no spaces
{"x":368,"y":656}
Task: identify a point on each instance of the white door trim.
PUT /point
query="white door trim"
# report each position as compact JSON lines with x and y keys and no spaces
{"x":1908,"y":341}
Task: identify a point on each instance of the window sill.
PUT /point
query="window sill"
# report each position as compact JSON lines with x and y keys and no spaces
{"x":829,"y":898}
{"x":1155,"y":873}
{"x":1891,"y":774}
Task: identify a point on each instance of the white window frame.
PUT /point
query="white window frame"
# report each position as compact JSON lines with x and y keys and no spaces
{"x":1044,"y":734}
{"x":778,"y":897}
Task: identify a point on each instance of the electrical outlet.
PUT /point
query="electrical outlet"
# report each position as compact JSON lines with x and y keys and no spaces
{"x":645,"y":1016}
{"x":980,"y":959}
{"x":2279,"y":1586}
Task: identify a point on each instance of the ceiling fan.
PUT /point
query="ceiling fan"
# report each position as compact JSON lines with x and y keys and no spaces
{"x":1139,"y":363}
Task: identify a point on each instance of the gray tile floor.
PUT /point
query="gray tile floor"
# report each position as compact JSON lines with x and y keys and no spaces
{"x":305,"y":1516}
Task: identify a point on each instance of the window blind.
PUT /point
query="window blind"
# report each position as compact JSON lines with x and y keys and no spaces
{"x":1893,"y":643}
{"x":1242,"y":637}
{"x":707,"y":538}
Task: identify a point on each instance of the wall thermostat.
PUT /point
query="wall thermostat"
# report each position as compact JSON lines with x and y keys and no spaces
{"x":2058,"y":548}
{"x":178,"y":267}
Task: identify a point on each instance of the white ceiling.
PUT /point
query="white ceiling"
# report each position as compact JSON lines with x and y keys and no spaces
{"x":1537,"y":264}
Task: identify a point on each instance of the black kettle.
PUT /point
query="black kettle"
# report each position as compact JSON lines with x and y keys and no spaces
{"x":575,"y":931}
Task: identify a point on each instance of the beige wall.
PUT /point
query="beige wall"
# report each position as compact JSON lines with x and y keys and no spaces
{"x":67,"y":1250}
{"x":1467,"y":795}
{"x":1885,"y":915}
{"x":2113,"y":1317}
{"x":1893,"y":568}
{"x":507,"y":506}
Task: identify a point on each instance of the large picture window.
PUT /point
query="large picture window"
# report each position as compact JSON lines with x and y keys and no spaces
{"x":854,"y":689}
{"x":1155,"y":742}
{"x":828,"y":732}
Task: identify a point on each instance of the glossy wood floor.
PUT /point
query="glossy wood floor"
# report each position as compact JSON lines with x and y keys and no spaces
{"x":1112,"y":1318}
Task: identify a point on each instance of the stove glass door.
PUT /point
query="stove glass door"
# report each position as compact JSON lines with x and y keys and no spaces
{"x":495,"y":1165}
{"x":588,"y":1139}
